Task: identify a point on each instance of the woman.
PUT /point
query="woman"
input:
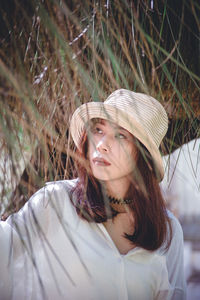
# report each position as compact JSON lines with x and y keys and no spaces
{"x":106,"y":234}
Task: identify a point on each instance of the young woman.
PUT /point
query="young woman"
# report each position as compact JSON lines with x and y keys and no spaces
{"x":106,"y":234}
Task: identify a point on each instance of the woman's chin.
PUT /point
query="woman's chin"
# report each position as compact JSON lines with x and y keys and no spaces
{"x":102,"y":176}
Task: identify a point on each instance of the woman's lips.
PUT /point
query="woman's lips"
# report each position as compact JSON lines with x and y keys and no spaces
{"x":101,"y":162}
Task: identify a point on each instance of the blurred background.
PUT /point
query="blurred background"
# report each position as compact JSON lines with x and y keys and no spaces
{"x":58,"y":54}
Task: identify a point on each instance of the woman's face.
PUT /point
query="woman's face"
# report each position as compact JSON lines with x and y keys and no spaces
{"x":111,"y":151}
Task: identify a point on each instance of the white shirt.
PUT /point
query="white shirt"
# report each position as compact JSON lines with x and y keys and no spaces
{"x":48,"y":252}
{"x":181,"y":183}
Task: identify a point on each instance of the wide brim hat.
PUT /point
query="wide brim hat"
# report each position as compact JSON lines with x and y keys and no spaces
{"x":142,"y":115}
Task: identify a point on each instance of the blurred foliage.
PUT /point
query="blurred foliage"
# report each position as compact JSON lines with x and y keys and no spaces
{"x":58,"y":54}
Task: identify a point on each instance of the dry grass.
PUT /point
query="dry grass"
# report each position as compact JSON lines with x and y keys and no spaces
{"x":59,"y":54}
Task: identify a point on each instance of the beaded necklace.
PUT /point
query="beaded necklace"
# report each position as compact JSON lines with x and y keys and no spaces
{"x":119,"y":201}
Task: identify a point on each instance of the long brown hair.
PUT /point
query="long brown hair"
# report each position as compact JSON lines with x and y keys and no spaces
{"x":152,"y":227}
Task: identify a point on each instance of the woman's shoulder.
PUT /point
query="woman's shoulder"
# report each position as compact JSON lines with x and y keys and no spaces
{"x":175,"y":247}
{"x":60,"y":185}
{"x":54,"y":188}
{"x":59,"y":194}
{"x":53,"y":197}
{"x":54,"y":194}
{"x":48,"y":204}
{"x":176,"y":226}
{"x":176,"y":233}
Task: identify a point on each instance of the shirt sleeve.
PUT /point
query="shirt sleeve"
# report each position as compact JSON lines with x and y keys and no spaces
{"x":175,"y":262}
{"x":17,"y":236}
{"x":23,"y":230}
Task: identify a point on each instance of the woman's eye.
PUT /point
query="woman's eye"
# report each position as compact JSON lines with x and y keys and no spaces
{"x":120,"y":136}
{"x":97,"y":130}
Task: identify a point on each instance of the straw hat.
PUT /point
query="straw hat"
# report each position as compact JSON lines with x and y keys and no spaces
{"x":142,"y":115}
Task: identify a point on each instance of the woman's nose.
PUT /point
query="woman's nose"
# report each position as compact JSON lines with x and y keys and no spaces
{"x":103,"y":146}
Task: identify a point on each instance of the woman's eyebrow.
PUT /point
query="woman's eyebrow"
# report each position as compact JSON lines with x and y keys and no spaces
{"x":99,"y":121}
{"x":116,"y":127}
{"x":120,"y":128}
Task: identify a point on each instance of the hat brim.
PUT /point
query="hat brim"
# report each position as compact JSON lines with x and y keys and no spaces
{"x":129,"y":122}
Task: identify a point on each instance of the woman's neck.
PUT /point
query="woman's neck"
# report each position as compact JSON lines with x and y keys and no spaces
{"x":116,"y":188}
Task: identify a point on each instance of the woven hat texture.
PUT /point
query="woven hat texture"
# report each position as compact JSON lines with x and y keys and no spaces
{"x":142,"y":115}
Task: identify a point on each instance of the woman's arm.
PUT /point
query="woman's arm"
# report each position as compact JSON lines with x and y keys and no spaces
{"x":25,"y":233}
{"x":17,"y":236}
